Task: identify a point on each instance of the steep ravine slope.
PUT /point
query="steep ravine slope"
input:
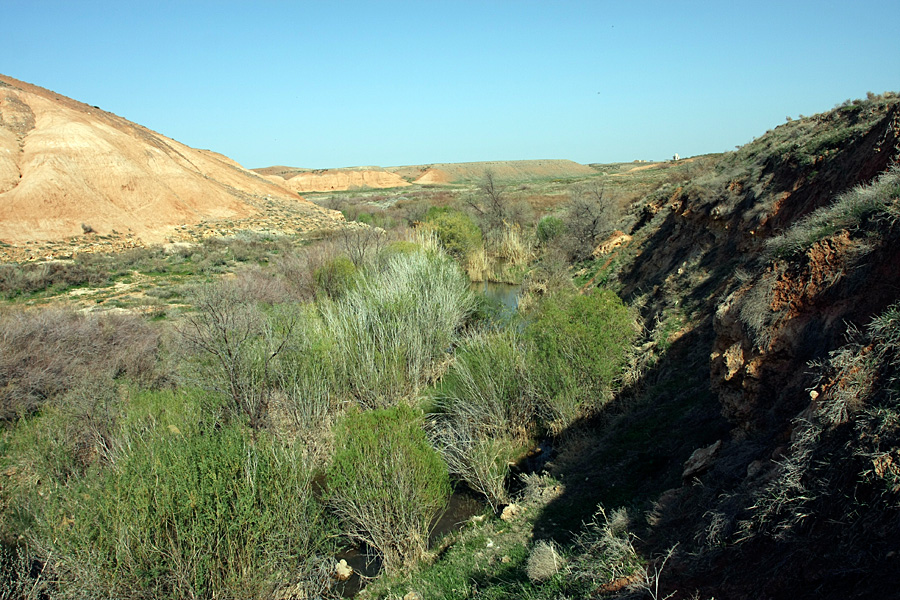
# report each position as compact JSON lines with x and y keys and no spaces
{"x":797,"y":500}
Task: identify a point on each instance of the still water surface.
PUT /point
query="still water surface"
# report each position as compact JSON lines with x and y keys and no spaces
{"x":504,"y":295}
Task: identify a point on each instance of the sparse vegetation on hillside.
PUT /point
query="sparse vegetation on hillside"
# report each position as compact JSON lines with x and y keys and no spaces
{"x":852,"y":211}
{"x":854,"y":423}
{"x":331,"y":395}
{"x":750,"y":183}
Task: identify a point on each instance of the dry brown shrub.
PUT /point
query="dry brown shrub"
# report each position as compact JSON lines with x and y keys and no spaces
{"x":298,"y":268}
{"x":44,"y":353}
{"x":265,"y":286}
{"x":544,"y":562}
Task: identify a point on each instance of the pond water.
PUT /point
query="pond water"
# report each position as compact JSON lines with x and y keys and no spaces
{"x":503,"y":296}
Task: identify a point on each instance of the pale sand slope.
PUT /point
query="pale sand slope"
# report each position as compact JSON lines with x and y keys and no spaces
{"x":64,"y":163}
{"x":331,"y":180}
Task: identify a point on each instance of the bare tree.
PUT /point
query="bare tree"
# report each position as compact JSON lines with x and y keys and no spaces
{"x":490,"y":203}
{"x":230,"y":330}
{"x":591,"y":213}
{"x":494,"y":207}
{"x":361,"y":241}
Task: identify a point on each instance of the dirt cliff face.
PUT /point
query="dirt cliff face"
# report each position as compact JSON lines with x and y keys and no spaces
{"x":786,"y":256}
{"x":795,"y":312}
{"x":703,"y":245}
{"x":64,"y":164}
{"x":798,"y":307}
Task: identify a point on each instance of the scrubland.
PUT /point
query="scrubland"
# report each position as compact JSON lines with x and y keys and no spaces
{"x":266,"y":402}
{"x":697,"y":389}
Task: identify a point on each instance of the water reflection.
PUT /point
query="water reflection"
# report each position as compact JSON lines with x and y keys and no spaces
{"x":502,"y":299}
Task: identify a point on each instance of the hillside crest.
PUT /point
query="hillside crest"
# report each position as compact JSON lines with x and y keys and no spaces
{"x":68,"y":170}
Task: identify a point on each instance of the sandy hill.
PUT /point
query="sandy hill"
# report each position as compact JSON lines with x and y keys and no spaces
{"x":64,"y":163}
{"x":330,"y":180}
{"x":349,"y":178}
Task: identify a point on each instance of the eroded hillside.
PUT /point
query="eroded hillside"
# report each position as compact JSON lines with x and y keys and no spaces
{"x":69,"y":170}
{"x":785,"y":261}
{"x":361,"y":178}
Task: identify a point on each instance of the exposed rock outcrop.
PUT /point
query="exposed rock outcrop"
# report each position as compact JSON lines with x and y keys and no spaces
{"x":791,"y":264}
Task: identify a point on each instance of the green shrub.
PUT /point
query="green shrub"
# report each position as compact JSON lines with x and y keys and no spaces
{"x":489,"y":381}
{"x":22,"y":280}
{"x":472,"y":457}
{"x":579,"y":348}
{"x":305,"y":376}
{"x":436,"y":211}
{"x":549,"y":228}
{"x":46,"y":453}
{"x":336,"y":276}
{"x":386,"y":483}
{"x":19,"y":580}
{"x":231,"y":511}
{"x":393,"y":326}
{"x":368,"y":213}
{"x":397,"y":248}
{"x":185,"y":509}
{"x":458,"y":233}
{"x":484,"y":408}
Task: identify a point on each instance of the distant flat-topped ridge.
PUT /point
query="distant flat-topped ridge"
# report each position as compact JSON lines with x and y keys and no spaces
{"x":330,"y":180}
{"x":349,"y":178}
{"x":67,"y":167}
{"x":503,"y":170}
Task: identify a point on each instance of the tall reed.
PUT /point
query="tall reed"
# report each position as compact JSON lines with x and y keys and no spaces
{"x":392,"y":329}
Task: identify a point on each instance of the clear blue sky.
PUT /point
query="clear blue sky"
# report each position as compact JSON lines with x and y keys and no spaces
{"x":331,"y":83}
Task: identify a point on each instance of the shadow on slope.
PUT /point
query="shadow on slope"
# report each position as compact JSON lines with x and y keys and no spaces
{"x":698,"y":245}
{"x":636,"y":449}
